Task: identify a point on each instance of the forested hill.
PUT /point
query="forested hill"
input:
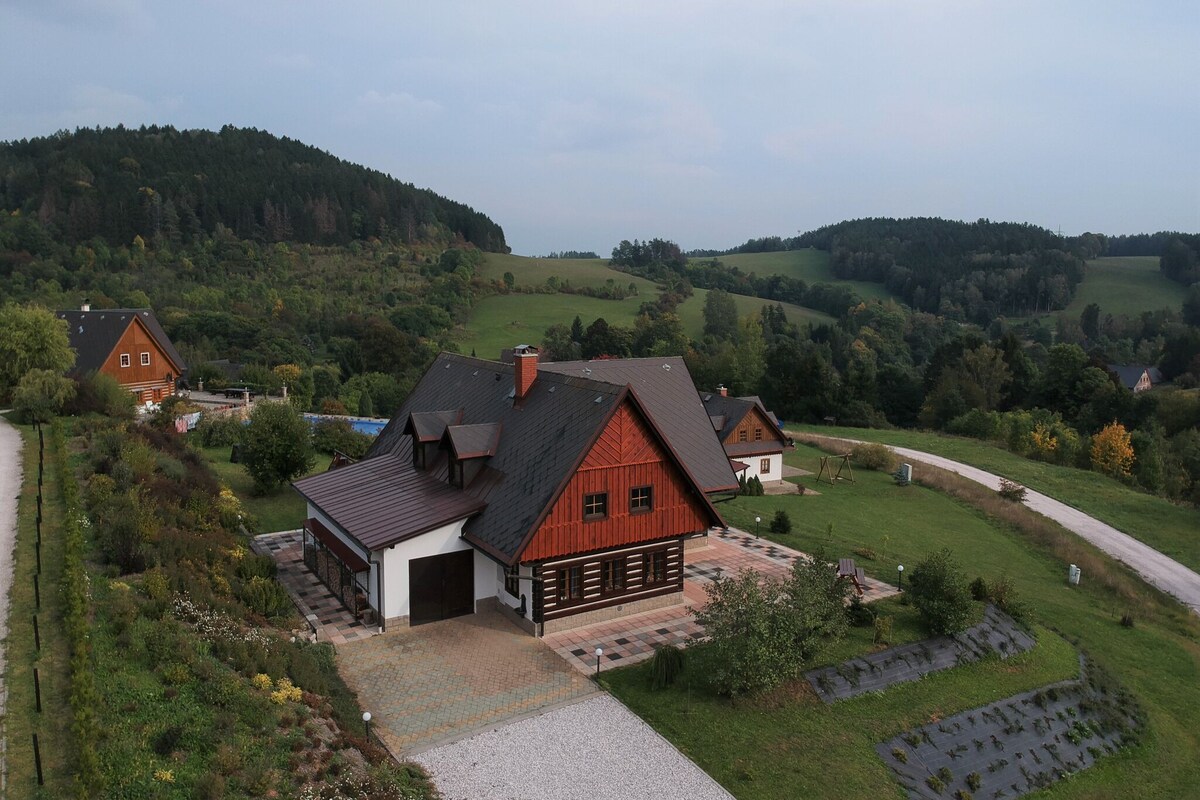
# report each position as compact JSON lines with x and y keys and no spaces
{"x":170,"y":187}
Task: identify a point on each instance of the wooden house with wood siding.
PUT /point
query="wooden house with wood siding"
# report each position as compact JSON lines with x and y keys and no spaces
{"x":749,"y":433}
{"x":127,"y":344}
{"x":553,"y":495}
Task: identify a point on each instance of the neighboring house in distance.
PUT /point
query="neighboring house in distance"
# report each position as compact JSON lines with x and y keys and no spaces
{"x":749,"y":433}
{"x":1136,"y":378}
{"x":127,"y":344}
{"x":558,"y":498}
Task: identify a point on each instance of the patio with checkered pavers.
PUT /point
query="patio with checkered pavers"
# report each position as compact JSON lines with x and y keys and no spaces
{"x":325,"y":614}
{"x":634,"y":638}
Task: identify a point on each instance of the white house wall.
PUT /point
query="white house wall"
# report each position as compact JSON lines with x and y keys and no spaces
{"x":774,"y":474}
{"x":446,"y":539}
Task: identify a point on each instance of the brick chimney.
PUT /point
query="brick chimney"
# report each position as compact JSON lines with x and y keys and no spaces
{"x":721,"y":390}
{"x":87,"y":305}
{"x":525,"y":361}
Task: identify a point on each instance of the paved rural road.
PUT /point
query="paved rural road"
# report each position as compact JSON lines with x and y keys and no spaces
{"x":10,"y":490}
{"x":1156,"y":569}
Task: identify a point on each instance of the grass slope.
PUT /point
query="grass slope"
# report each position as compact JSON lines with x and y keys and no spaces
{"x":579,"y":271}
{"x":791,"y":745}
{"x":691,"y":311}
{"x":809,"y":265}
{"x":1126,"y":286}
{"x":503,"y":321}
{"x":1166,"y":527}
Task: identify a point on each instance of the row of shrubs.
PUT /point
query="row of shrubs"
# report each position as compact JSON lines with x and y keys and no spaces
{"x":75,"y":588}
{"x":328,"y":435}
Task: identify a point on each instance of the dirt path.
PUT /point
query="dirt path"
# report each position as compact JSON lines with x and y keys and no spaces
{"x":1155,"y":568}
{"x":10,"y":490}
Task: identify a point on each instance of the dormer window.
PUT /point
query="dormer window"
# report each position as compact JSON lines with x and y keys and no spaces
{"x":418,"y":453}
{"x":456,"y":472}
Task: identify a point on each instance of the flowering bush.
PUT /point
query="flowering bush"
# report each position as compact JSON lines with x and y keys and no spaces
{"x":286,"y":692}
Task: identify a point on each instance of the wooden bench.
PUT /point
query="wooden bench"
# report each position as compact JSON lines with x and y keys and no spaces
{"x":848,"y":570}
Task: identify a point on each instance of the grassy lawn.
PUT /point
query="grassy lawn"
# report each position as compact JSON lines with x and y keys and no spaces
{"x":1169,"y":528}
{"x":282,"y":510}
{"x":691,"y":311}
{"x":792,"y":745}
{"x":1126,"y":286}
{"x":809,"y":265}
{"x":22,"y":720}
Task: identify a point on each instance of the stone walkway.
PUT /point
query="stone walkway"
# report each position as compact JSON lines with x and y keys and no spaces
{"x":325,"y":614}
{"x":634,"y":638}
{"x":443,"y":681}
{"x":998,"y":633}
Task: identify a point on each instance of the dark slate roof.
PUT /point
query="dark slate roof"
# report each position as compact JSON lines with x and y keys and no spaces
{"x":665,"y":387}
{"x":732,"y":410}
{"x":474,"y":441}
{"x":1129,"y":375}
{"x":95,"y":333}
{"x":430,"y":425}
{"x":382,"y":501}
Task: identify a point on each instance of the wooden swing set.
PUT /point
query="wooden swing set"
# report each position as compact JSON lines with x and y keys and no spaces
{"x":828,"y":473}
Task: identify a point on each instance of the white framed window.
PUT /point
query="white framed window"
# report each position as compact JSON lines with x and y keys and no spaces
{"x":145,"y":359}
{"x":124,"y":359}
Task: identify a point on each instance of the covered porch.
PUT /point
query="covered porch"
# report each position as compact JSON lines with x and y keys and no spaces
{"x":344,"y":572}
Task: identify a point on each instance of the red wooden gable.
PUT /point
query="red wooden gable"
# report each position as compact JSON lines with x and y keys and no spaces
{"x":626,"y":455}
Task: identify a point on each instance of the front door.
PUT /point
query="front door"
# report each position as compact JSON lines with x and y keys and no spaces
{"x":441,"y":587}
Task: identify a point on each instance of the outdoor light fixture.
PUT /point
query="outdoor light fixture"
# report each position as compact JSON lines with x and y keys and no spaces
{"x":756,"y":521}
{"x":599,"y":652}
{"x":367,"y":722}
{"x":900,"y":576}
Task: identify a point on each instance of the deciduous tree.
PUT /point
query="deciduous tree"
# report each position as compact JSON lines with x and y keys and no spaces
{"x":277,"y":446}
{"x":1112,"y":451}
{"x":31,"y":337}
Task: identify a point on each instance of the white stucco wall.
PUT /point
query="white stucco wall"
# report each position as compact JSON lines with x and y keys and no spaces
{"x":774,"y":474}
{"x":525,"y":588}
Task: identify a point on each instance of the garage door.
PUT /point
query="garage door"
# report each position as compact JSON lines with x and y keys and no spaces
{"x":441,"y":587}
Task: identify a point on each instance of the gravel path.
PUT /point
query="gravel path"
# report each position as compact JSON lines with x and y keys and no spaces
{"x":1155,"y":568}
{"x":10,"y":490}
{"x":593,"y":750}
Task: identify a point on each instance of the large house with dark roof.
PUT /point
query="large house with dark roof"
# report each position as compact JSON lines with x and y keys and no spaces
{"x":749,"y":433}
{"x":561,"y":494}
{"x":127,"y":344}
{"x":1136,"y":378}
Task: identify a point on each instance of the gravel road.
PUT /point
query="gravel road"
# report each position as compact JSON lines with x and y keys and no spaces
{"x":593,"y":750}
{"x":10,"y":490}
{"x":1155,"y":568}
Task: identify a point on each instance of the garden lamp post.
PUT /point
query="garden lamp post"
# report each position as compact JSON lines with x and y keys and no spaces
{"x":367,"y":723}
{"x":900,"y":577}
{"x":599,"y":652}
{"x":756,"y":521}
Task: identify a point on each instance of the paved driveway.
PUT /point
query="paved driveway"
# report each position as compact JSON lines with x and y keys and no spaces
{"x":439,"y":682}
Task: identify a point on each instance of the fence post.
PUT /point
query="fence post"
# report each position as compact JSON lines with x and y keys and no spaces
{"x":37,"y":759}
{"x":37,"y":690}
{"x":37,"y":634}
{"x":38,"y":549}
{"x":37,"y":594}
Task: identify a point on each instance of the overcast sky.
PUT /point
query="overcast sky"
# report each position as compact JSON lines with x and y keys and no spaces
{"x":578,"y":124}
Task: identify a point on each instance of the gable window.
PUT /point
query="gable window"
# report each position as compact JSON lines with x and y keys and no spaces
{"x":764,"y":466}
{"x":570,"y":583}
{"x":595,"y":506}
{"x":124,"y":359}
{"x":145,"y":359}
{"x":512,"y":580}
{"x":655,"y":569}
{"x":641,"y":499}
{"x":758,"y":434}
{"x":612,"y":575}
{"x":742,"y":435}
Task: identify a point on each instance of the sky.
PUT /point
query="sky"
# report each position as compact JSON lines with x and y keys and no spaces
{"x":575,"y":125}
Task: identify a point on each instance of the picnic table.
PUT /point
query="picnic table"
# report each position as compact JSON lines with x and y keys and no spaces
{"x":849,"y":570}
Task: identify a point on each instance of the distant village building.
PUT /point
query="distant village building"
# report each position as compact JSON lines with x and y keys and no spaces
{"x":561,"y":494}
{"x":1136,"y":378}
{"x":127,"y":344}
{"x":749,"y":433}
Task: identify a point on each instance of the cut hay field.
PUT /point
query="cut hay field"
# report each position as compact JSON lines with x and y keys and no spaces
{"x":809,"y":265}
{"x":1126,"y":286}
